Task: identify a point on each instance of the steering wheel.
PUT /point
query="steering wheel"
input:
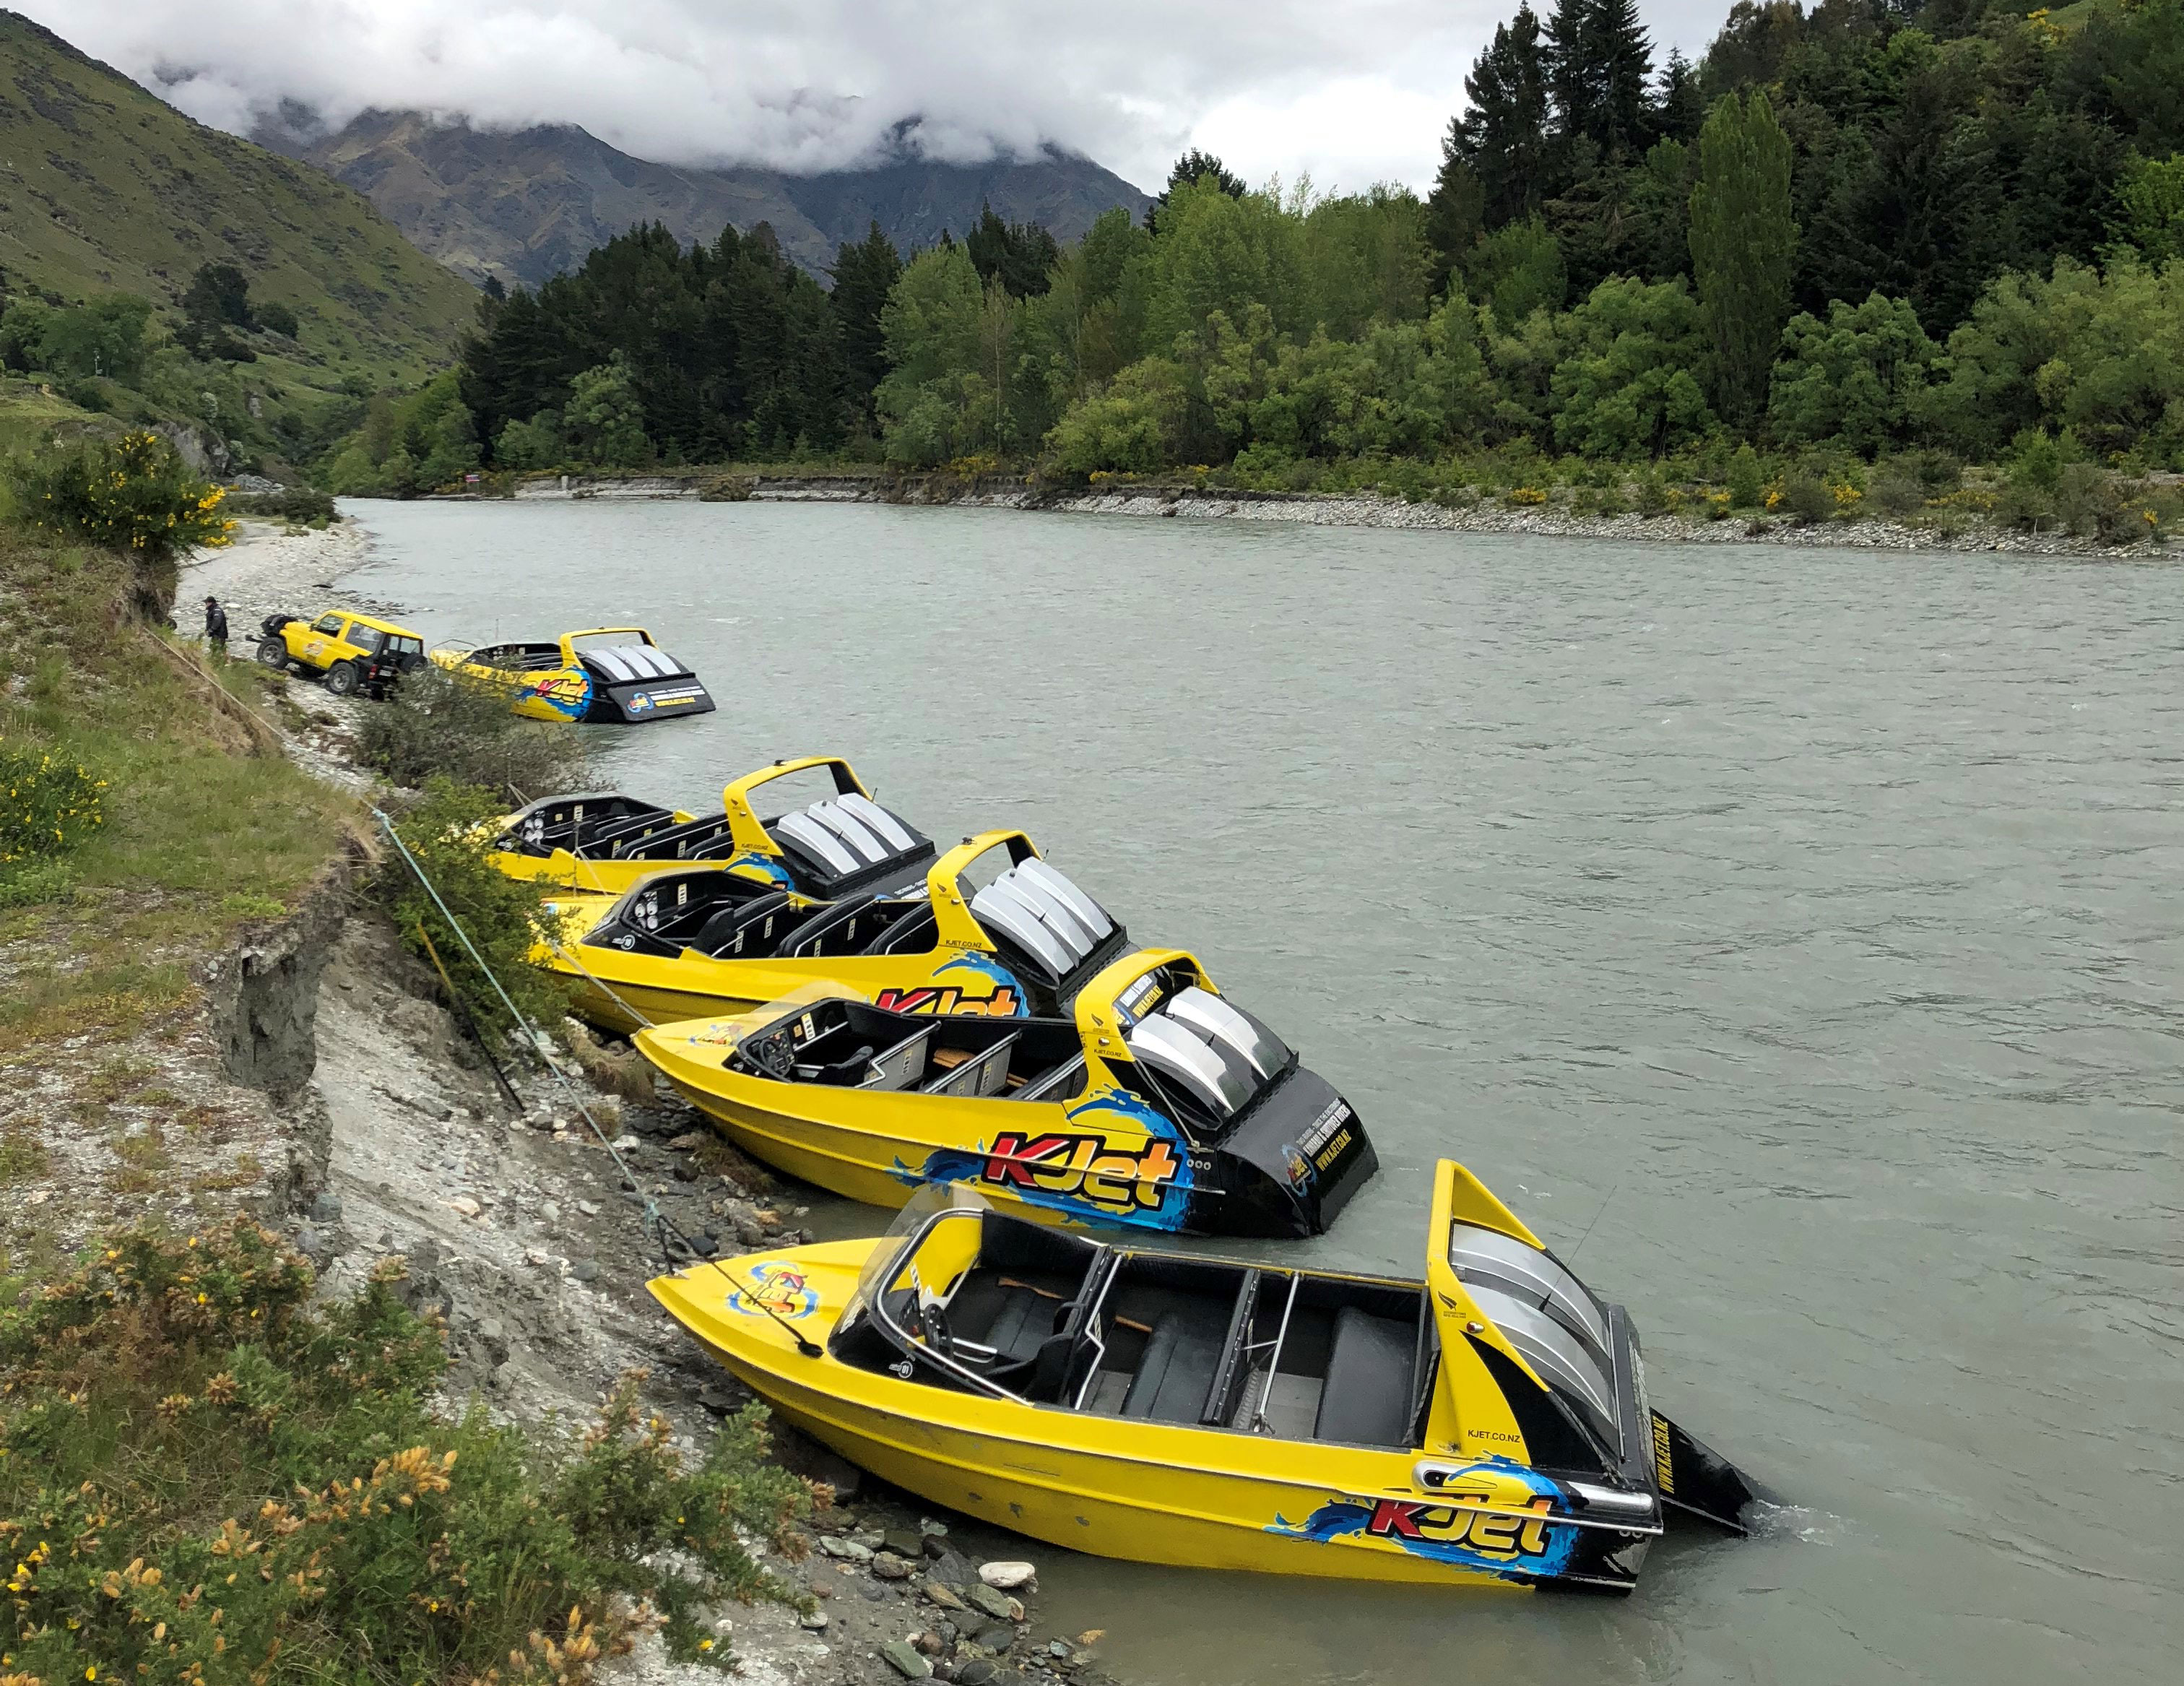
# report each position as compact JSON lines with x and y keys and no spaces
{"x":933,"y":1325}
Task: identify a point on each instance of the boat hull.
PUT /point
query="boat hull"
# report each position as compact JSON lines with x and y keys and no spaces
{"x":880,"y":1148}
{"x":1162,"y":1501}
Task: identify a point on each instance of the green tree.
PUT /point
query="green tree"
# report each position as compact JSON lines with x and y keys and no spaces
{"x":1626,"y":388}
{"x":1858,"y":379}
{"x":864,"y":275}
{"x":103,"y":338}
{"x":2150,"y":208}
{"x":1501,"y":139}
{"x":604,"y":418}
{"x":1193,"y":167}
{"x":530,"y":445}
{"x":1744,"y":241}
{"x":1133,"y":428}
{"x":1517,"y":269}
{"x":1017,"y":254}
{"x":23,"y":334}
{"x":219,"y":296}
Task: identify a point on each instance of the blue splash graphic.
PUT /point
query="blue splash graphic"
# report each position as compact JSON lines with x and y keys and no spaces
{"x":1342,"y":1519}
{"x":752,"y":864}
{"x":985,"y":967}
{"x":536,"y":691}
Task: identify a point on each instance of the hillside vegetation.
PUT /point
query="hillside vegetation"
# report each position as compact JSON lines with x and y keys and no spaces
{"x":109,"y":196}
{"x":1819,"y":272}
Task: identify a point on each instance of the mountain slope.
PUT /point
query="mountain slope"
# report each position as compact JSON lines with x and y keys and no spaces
{"x":104,"y":187}
{"x":524,"y":204}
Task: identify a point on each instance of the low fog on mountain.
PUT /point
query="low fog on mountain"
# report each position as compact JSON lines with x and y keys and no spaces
{"x":1353,"y":93}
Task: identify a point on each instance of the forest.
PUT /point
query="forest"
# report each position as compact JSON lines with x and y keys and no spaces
{"x":1863,"y":233}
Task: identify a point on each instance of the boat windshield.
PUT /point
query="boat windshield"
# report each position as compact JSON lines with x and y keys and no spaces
{"x":893,"y":1250}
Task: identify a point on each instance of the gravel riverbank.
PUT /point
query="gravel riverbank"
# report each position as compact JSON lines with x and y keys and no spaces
{"x":1348,"y":510}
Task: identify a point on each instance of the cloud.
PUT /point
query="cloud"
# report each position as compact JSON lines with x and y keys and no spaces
{"x":1353,"y":93}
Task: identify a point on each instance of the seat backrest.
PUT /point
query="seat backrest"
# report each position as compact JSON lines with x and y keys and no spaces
{"x":903,"y":1064}
{"x":744,"y":931}
{"x":981,"y":1076}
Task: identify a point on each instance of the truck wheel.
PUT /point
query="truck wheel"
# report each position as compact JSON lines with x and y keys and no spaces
{"x":342,"y":677}
{"x":273,"y":653}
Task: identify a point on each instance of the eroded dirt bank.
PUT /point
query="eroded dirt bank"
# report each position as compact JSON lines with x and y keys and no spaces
{"x":515,"y":1222}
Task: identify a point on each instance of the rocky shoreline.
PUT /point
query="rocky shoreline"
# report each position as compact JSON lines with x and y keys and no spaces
{"x":1361,"y":509}
{"x":517,"y":1226}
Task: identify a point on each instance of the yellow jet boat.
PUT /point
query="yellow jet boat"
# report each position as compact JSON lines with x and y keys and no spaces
{"x":603,"y":841}
{"x":613,"y":676}
{"x":1488,"y":1424}
{"x":698,"y":943}
{"x":1162,"y":1105}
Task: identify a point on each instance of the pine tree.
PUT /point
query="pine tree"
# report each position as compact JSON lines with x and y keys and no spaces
{"x":1619,"y":63}
{"x":1680,"y":108}
{"x":1502,"y":138}
{"x":1743,"y":242}
{"x":1455,"y":211}
{"x":1188,"y":168}
{"x":864,"y":274}
{"x":1572,"y":89}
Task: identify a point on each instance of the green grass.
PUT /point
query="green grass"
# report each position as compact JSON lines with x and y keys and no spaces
{"x":205,"y":826}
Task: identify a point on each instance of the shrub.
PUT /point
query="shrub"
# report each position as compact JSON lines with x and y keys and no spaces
{"x":1897,"y":494}
{"x":48,"y":805}
{"x":211,"y":1478}
{"x":442,"y":721}
{"x":2091,"y":503}
{"x":133,"y":494}
{"x":302,"y":504}
{"x":449,"y":831}
{"x":1808,"y":500}
{"x":1747,"y":484}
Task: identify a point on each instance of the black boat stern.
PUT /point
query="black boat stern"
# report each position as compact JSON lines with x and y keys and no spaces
{"x":1293,"y":1163}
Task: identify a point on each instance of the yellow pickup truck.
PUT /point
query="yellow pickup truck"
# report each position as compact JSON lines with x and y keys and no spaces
{"x":351,"y":652}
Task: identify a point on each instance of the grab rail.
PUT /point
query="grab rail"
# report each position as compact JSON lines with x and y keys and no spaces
{"x":1259,"y":1423}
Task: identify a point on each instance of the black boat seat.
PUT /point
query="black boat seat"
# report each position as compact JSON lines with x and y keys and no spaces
{"x":848,"y":1073}
{"x":1176,"y":1371}
{"x":744,"y":930}
{"x":1366,"y":1399}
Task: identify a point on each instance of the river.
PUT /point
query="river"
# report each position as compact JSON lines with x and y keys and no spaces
{"x":1794,"y":938}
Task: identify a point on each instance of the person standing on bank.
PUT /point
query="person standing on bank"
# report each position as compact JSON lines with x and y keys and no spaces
{"x":217,"y":627}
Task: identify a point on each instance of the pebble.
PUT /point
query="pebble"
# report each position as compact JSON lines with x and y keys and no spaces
{"x":975,"y":1671}
{"x":905,"y":1660}
{"x":326,"y":1208}
{"x":850,"y":1550}
{"x":1005,"y":1575}
{"x":996,"y":1639}
{"x":944,"y":1596}
{"x":890,"y":1567}
{"x":584,"y":1270}
{"x":587,"y":1208}
{"x":904,"y":1543}
{"x":998,"y":1605}
{"x":463,"y":1207}
{"x":549,"y":1214}
{"x":816,"y":1621}
{"x":1055,"y":1648}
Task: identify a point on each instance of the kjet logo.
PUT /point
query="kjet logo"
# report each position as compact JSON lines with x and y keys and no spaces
{"x":1084,"y":1166}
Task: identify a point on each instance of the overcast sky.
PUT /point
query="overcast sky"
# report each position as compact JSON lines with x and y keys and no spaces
{"x":1353,"y":91}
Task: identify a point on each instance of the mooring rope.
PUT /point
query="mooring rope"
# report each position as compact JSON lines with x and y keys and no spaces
{"x":653,"y":1219}
{"x":597,"y":984}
